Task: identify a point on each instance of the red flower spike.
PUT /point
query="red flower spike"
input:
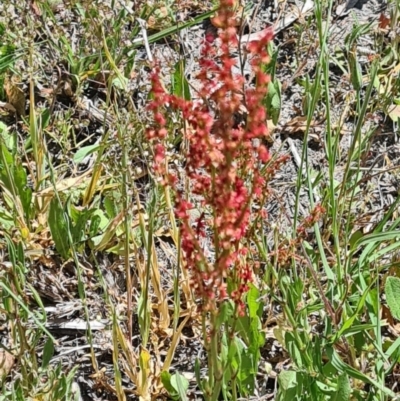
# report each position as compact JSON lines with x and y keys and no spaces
{"x":221,"y":162}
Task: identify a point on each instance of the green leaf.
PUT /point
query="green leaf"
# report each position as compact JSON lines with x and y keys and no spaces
{"x":392,"y":291}
{"x":8,"y":139}
{"x":94,"y":225}
{"x":287,"y":379}
{"x":80,"y":219}
{"x":6,"y":166}
{"x":180,"y":85}
{"x":273,"y":101}
{"x":180,"y":384}
{"x":120,"y":82}
{"x":343,"y":388}
{"x":355,"y":374}
{"x":349,"y":322}
{"x":59,"y":228}
{"x":6,"y":220}
{"x":294,"y":351}
{"x":110,"y":204}
{"x":355,"y":71}
{"x":7,"y":56}
{"x":357,"y":235}
{"x":197,"y":373}
{"x":247,"y":374}
{"x":24,"y":192}
{"x":48,"y":352}
{"x":84,"y":152}
{"x":255,"y":307}
{"x":45,"y":118}
{"x":166,"y":381}
{"x":143,"y":316}
{"x":276,"y":99}
{"x":234,"y":350}
{"x":225,"y":312}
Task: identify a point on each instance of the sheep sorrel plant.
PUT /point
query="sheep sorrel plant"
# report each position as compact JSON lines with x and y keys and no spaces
{"x":227,"y":169}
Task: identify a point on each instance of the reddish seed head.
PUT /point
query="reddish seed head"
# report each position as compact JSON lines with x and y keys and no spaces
{"x":221,"y":162}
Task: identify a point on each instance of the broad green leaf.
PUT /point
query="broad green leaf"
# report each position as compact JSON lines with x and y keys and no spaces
{"x":343,"y":388}
{"x":48,"y":352}
{"x":101,"y":222}
{"x":45,"y":118}
{"x":256,"y":336}
{"x":235,"y":348}
{"x":166,"y":381}
{"x":180,"y":384}
{"x":14,"y":178}
{"x":95,"y":223}
{"x":59,"y":228}
{"x":287,"y":379}
{"x":253,"y":303}
{"x":6,"y":220}
{"x":6,"y":168}
{"x":80,"y":219}
{"x":120,"y":82}
{"x":224,"y":313}
{"x":355,"y":71}
{"x":84,"y":152}
{"x":236,"y":353}
{"x":293,"y":349}
{"x":392,"y":291}
{"x":180,"y":85}
{"x":273,"y":101}
{"x":8,"y":139}
{"x":24,"y":192}
{"x":247,"y":374}
{"x":357,"y":235}
{"x":110,"y":204}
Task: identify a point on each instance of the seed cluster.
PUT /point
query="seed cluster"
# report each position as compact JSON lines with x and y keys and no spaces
{"x":222,"y":161}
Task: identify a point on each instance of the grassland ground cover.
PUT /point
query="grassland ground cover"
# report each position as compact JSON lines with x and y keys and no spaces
{"x":194,"y":209}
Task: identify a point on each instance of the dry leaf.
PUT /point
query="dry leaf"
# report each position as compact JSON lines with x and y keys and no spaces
{"x":296,"y":124}
{"x":8,"y":107}
{"x":299,"y":125}
{"x":394,"y":112}
{"x":386,"y":315}
{"x":6,"y":363}
{"x":271,"y":126}
{"x":36,"y":10}
{"x":15,"y":95}
{"x":384,"y":21}
{"x":67,"y":89}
